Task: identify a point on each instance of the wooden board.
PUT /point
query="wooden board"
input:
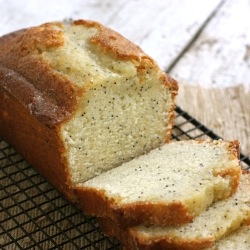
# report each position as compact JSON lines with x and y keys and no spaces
{"x":220,"y":57}
{"x":225,"y":111}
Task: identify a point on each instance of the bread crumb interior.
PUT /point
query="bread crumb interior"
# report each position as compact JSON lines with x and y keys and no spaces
{"x":123,"y":112}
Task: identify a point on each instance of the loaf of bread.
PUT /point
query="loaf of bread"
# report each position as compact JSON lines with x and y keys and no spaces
{"x":168,"y":186}
{"x":78,"y":99}
{"x":216,"y":222}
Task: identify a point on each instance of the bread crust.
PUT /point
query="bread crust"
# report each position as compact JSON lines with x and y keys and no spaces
{"x":40,"y":145}
{"x":112,"y":42}
{"x":31,"y":111}
{"x":21,"y":58}
{"x":94,"y":202}
{"x":169,"y":244}
{"x":21,"y":62}
{"x":25,"y":75}
{"x":173,"y":86}
{"x":132,"y":240}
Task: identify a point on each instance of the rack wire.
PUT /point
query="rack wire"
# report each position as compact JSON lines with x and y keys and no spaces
{"x":33,"y":215}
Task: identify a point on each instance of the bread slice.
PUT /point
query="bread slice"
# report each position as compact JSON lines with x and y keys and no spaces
{"x":78,"y":99}
{"x":239,"y":239}
{"x":216,"y":222}
{"x":168,"y":186}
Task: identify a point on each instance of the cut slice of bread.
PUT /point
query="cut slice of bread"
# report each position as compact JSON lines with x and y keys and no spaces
{"x":238,"y":240}
{"x":86,"y":97}
{"x":169,"y":186}
{"x":216,"y":222}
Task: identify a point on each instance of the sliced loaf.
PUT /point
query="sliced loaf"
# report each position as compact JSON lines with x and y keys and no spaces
{"x":78,"y":99}
{"x":216,"y":222}
{"x":169,"y":186}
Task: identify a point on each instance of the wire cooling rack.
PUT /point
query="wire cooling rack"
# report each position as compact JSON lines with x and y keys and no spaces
{"x":33,"y":215}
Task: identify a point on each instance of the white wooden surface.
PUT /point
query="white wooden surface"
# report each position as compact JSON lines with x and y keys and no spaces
{"x":203,"y":42}
{"x":221,"y":54}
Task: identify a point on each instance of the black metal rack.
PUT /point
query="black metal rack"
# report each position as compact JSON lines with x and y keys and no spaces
{"x":33,"y":215}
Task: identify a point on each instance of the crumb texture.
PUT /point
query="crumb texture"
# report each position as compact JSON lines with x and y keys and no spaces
{"x":223,"y":225}
{"x":240,"y":240}
{"x":186,"y":172}
{"x":217,"y":221}
{"x":125,"y":109}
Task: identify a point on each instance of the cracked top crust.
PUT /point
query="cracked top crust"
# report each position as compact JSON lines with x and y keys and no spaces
{"x":30,"y":72}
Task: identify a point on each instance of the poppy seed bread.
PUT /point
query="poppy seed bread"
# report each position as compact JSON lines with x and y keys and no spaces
{"x":78,"y":99}
{"x":205,"y":231}
{"x":168,"y":186}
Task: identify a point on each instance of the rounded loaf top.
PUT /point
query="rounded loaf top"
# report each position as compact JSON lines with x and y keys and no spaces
{"x":54,"y":64}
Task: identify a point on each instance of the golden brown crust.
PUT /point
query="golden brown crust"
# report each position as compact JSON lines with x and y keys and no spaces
{"x":22,"y":65}
{"x":171,"y":83}
{"x":234,"y":177}
{"x":234,"y":148}
{"x":169,"y":243}
{"x":112,"y":42}
{"x":234,"y":152}
{"x":31,"y":110}
{"x":43,"y":106}
{"x":145,"y":213}
{"x":21,"y":54}
{"x":41,"y":146}
{"x":131,"y":239}
{"x":173,"y":86}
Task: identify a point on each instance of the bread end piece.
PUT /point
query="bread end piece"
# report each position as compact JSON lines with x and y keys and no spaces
{"x":222,"y":225}
{"x":146,"y":191}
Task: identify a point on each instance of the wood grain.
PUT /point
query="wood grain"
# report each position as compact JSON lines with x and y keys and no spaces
{"x":225,"y":111}
{"x":220,"y":57}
